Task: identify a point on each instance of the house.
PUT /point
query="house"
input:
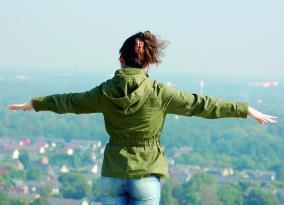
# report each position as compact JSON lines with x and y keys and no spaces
{"x":216,"y":171}
{"x":97,"y":144}
{"x":18,"y":165}
{"x":95,"y":169}
{"x":262,"y":176}
{"x":34,"y":185}
{"x":44,"y":160}
{"x":70,"y":151}
{"x":64,"y":169}
{"x":25,"y":142}
{"x":178,"y":151}
{"x":93,"y":155}
{"x":4,"y":171}
{"x":183,"y":173}
{"x":16,"y":154}
{"x":42,"y":150}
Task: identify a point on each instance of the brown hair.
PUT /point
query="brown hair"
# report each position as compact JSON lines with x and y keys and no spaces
{"x":150,"y":53}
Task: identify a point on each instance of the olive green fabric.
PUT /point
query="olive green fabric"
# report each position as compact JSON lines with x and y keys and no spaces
{"x":134,"y":109}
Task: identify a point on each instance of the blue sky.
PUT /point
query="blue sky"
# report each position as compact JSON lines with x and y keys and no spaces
{"x":243,"y":37}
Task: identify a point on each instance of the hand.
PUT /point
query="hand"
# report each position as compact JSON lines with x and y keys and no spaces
{"x":261,"y":118}
{"x":25,"y":107}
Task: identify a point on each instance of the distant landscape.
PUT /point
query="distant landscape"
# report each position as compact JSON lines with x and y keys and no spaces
{"x":220,"y":162}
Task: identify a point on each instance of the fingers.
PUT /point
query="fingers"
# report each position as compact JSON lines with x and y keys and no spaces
{"x":270,"y":116}
{"x":12,"y":107}
{"x":271,"y":120}
{"x":263,"y":118}
{"x":15,"y":107}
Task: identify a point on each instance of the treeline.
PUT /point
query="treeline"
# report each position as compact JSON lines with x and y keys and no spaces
{"x":202,"y":189}
{"x":72,"y":186}
{"x":5,"y":199}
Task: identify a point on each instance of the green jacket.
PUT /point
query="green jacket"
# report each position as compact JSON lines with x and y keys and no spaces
{"x":134,"y":109}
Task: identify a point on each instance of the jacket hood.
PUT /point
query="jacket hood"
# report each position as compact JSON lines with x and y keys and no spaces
{"x":127,"y":90}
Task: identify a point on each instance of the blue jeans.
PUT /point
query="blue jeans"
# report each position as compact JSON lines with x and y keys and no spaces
{"x":125,"y":191}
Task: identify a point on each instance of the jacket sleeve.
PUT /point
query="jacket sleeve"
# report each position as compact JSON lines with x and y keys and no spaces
{"x":190,"y":104}
{"x":78,"y":103}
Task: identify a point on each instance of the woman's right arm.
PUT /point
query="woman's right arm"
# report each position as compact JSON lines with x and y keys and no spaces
{"x":78,"y":103}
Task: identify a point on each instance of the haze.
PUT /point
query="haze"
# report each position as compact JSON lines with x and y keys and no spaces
{"x":218,"y":37}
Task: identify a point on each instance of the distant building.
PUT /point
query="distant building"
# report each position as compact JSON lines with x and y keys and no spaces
{"x":25,"y":142}
{"x":259,"y":175}
{"x":44,"y":160}
{"x":93,"y":155}
{"x":178,"y":151}
{"x":64,"y":169}
{"x":55,"y":191}
{"x":16,"y":154}
{"x":42,"y":150}
{"x":216,"y":171}
{"x":4,"y":171}
{"x":183,"y":173}
{"x":95,"y":169}
{"x":70,"y":151}
{"x":18,"y":165}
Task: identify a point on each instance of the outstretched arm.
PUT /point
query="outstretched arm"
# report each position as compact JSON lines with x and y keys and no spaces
{"x":82,"y":102}
{"x":190,"y":104}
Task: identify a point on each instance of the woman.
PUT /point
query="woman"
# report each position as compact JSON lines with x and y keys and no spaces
{"x":134,"y":109}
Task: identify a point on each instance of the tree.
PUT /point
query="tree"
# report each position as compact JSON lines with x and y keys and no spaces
{"x":33,"y":174}
{"x":22,"y":201}
{"x":231,"y":195}
{"x":245,"y":162}
{"x":166,"y":194}
{"x":258,"y":197}
{"x":208,"y":196}
{"x":24,"y":158}
{"x":40,"y":201}
{"x":4,"y":199}
{"x":194,"y":191}
{"x":45,"y":190}
{"x":95,"y":189}
{"x":279,"y":169}
{"x":74,"y":186}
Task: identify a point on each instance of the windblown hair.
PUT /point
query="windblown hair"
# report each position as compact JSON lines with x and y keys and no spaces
{"x":150,"y":53}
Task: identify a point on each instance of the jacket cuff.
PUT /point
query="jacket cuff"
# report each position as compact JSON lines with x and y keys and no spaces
{"x":242,"y":109}
{"x":39,"y":103}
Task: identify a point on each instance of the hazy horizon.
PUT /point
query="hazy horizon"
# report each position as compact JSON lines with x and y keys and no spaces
{"x":206,"y":38}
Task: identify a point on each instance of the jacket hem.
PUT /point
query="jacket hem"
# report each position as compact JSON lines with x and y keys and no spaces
{"x":139,"y":175}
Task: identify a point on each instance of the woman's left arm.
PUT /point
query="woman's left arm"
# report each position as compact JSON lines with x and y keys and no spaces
{"x":260,"y":117}
{"x":78,"y":103}
{"x":190,"y":104}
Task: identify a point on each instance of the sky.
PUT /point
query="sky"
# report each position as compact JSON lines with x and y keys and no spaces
{"x":243,"y":37}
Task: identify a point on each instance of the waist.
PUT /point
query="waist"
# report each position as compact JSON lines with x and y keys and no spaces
{"x":135,"y":141}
